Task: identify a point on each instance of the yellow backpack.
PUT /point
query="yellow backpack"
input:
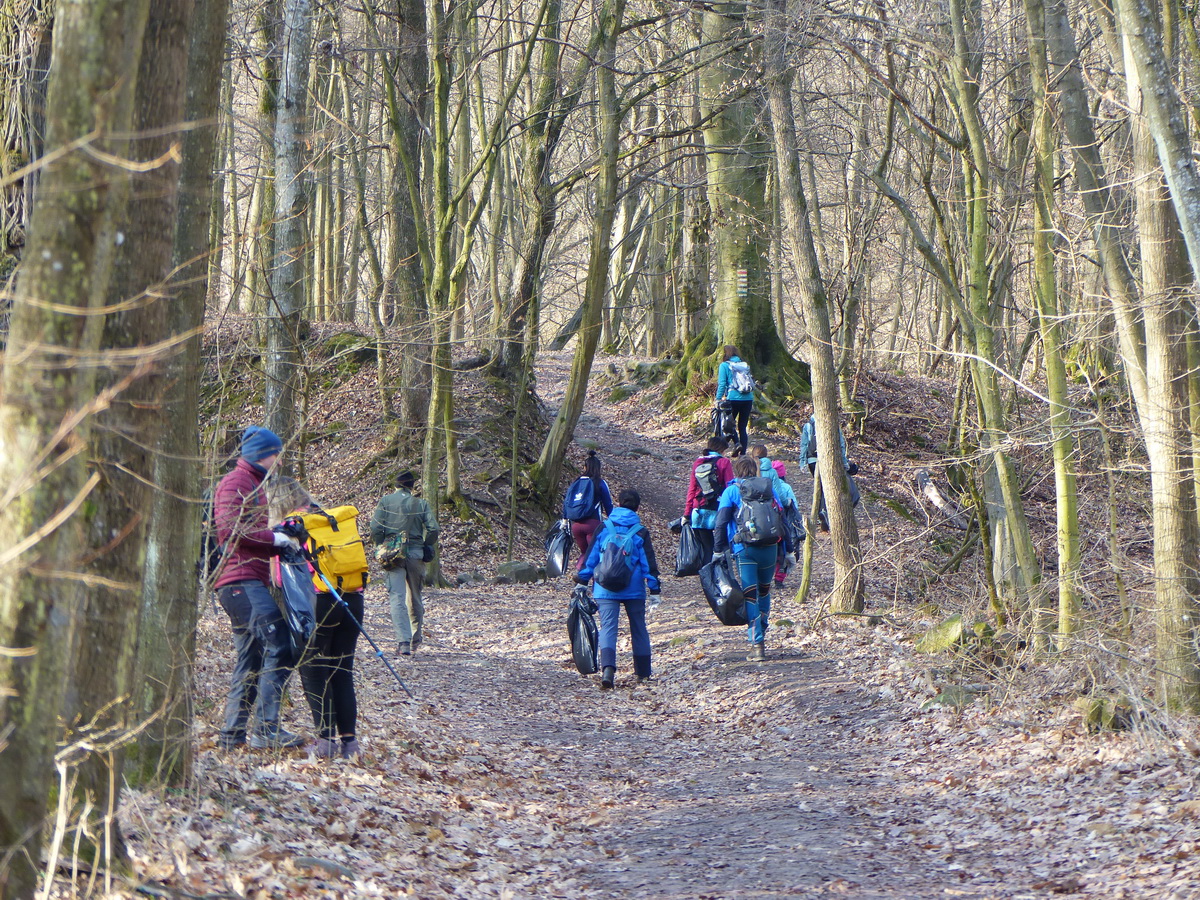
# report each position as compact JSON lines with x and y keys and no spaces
{"x":335,"y":545}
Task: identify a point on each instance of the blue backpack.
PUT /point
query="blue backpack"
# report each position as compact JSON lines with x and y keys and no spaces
{"x":580,"y":500}
{"x":614,"y":571}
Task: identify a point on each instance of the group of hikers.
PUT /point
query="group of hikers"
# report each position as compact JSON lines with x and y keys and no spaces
{"x":261,"y":523}
{"x":739,"y":504}
{"x":739,"y":507}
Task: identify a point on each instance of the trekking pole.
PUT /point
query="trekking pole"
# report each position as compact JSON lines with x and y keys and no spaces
{"x":345,"y":606}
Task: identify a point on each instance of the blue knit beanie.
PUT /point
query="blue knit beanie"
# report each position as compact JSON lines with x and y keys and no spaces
{"x":259,"y":442}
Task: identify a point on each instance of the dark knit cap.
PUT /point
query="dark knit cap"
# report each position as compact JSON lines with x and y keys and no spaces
{"x":259,"y":442}
{"x":406,"y":479}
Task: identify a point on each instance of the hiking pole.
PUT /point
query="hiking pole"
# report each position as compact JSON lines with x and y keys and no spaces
{"x":346,"y":607}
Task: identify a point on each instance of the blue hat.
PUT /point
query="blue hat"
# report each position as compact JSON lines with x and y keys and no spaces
{"x":259,"y":442}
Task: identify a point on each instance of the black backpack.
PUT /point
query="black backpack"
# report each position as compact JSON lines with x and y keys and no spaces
{"x":614,"y":571}
{"x":212,"y":551}
{"x":759,"y":521}
{"x":709,"y":480}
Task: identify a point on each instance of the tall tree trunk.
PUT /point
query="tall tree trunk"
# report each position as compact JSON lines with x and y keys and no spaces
{"x":282,"y":358}
{"x":849,"y":584}
{"x":167,"y":634}
{"x":1166,"y":282}
{"x":48,"y":401}
{"x":1049,"y":321}
{"x":545,"y":473}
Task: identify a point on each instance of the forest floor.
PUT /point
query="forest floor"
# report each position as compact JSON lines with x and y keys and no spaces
{"x":823,"y":771}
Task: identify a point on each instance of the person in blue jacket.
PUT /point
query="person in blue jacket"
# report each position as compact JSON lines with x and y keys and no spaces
{"x":756,"y":564}
{"x":624,"y":521}
{"x":740,"y":401}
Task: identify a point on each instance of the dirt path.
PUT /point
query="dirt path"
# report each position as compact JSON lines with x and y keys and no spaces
{"x":722,"y":778}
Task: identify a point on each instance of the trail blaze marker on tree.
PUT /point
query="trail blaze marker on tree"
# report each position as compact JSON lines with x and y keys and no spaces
{"x":743,"y":283}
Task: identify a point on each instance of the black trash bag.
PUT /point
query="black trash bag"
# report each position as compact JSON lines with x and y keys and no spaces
{"x":558,"y":548}
{"x":695,"y":549}
{"x":724,"y":422}
{"x":583,"y":632}
{"x":793,"y":521}
{"x":723,"y":591}
{"x":299,"y":599}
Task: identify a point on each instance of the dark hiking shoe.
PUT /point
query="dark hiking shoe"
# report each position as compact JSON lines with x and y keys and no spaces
{"x":417,"y":641}
{"x":350,"y":748}
{"x":404,"y":648}
{"x":230,"y":742}
{"x":327,"y":748}
{"x":757,"y":653}
{"x":607,"y":679}
{"x":643,"y":679}
{"x":275,"y":739}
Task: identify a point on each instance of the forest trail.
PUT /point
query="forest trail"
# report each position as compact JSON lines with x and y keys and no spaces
{"x":720,"y":779}
{"x":812,"y":774}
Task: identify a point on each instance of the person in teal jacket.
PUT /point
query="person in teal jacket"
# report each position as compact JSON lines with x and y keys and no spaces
{"x":740,"y":401}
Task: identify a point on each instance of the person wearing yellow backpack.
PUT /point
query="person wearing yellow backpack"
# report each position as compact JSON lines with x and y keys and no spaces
{"x":404,"y":531}
{"x":327,"y":665}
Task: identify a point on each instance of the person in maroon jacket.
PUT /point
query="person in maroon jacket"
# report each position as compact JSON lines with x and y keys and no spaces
{"x":260,"y":633}
{"x":704,"y":490}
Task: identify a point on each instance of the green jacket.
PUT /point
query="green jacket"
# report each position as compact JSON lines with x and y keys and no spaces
{"x":402,"y":513}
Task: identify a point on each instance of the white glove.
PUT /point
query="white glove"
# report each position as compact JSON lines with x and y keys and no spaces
{"x":790,"y":560}
{"x":654,"y":601}
{"x":283,"y":541}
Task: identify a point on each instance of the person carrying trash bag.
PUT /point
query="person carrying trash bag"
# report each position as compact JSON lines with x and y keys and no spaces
{"x":808,"y":457}
{"x":735,"y":385}
{"x":261,"y":637}
{"x":621,"y":562}
{"x":404,"y":531}
{"x":793,"y":518}
{"x":587,"y":498}
{"x":750,"y":522}
{"x":711,"y":472}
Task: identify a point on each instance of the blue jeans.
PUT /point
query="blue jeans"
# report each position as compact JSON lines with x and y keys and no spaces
{"x":264,"y":657}
{"x":635,"y":611}
{"x":756,"y":568}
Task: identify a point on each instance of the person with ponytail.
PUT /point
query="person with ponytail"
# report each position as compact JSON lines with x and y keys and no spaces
{"x":586,"y":500}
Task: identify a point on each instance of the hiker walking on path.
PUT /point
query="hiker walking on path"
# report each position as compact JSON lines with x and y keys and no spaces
{"x":735,"y":385}
{"x":793,"y":520}
{"x":621,"y":560}
{"x":808,"y":457}
{"x":260,"y":633}
{"x":750,"y":523}
{"x":586,"y":500}
{"x":710,"y":473}
{"x":406,"y":520}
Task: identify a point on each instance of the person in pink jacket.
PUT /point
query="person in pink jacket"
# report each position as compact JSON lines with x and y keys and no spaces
{"x":711,"y":472}
{"x":260,"y":633}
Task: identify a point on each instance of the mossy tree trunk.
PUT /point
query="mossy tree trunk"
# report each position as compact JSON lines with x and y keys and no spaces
{"x":737,"y":156}
{"x":167,"y":638}
{"x":48,"y":391}
{"x":849,"y":585}
{"x":546,"y":470}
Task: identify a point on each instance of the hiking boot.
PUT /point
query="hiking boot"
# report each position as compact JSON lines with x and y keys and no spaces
{"x":350,"y":748}
{"x":757,"y":653}
{"x":417,"y":640}
{"x":404,"y":648}
{"x":643,"y":679}
{"x":231,"y":742}
{"x":607,"y":679}
{"x":327,"y":748}
{"x":275,"y":738}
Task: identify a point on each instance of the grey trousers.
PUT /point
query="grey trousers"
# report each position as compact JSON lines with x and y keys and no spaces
{"x":264,"y":657}
{"x":408,"y":609}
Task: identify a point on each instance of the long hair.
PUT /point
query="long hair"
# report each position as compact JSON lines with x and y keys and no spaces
{"x":286,"y":495}
{"x":730,"y":352}
{"x":591,"y":466}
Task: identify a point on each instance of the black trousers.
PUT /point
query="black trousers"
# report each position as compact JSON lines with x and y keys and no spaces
{"x":742,"y":409}
{"x":327,"y":669}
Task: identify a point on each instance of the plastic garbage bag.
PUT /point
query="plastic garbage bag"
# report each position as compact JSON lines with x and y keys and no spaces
{"x":695,"y":549}
{"x":582,"y":630}
{"x":724,"y":422}
{"x":558,"y":548}
{"x":723,"y":591}
{"x":299,"y":599}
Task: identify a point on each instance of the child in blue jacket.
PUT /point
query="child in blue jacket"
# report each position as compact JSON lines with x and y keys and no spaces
{"x":623,"y":522}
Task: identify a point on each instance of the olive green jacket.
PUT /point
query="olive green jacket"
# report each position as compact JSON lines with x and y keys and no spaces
{"x":402,"y":513}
